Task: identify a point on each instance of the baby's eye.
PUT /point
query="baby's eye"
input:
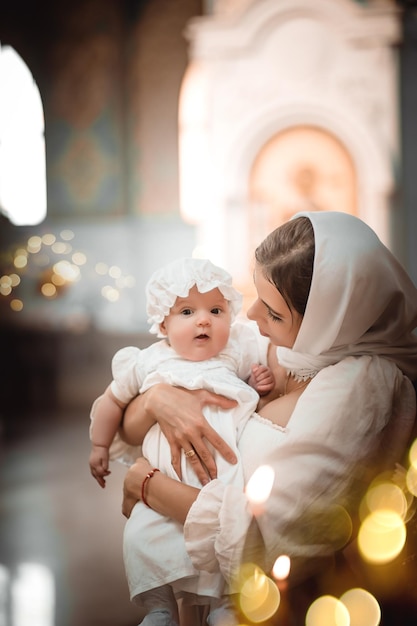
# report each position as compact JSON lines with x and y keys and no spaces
{"x":216,"y":310}
{"x":186,"y":312}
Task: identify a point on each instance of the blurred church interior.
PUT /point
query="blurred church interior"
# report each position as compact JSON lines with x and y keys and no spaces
{"x":161,"y":129}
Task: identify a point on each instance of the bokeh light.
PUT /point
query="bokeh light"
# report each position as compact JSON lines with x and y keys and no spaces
{"x":363,"y":607}
{"x":260,"y":484}
{"x":48,"y":290}
{"x":101,"y":268}
{"x":115,"y":272}
{"x":16,"y":305}
{"x":259,"y":597}
{"x":110,"y":293}
{"x":34,"y":244}
{"x":281,"y":568}
{"x":33,"y":596}
{"x":20,"y":260}
{"x":381,"y":536}
{"x":67,"y":270}
{"x":411,"y":480}
{"x":15,"y":280}
{"x":48,"y":239}
{"x":67,"y":234}
{"x":59,"y":247}
{"x":327,"y":611}
{"x":54,"y":265}
{"x":412,"y":454}
{"x":58,"y":280}
{"x":384,"y":496}
{"x":79,"y":258}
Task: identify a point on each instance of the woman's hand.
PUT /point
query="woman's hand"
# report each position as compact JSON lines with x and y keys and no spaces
{"x":179,"y":413}
{"x":132,"y":485}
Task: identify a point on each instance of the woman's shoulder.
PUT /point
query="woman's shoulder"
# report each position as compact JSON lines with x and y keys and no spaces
{"x":355,"y":390}
{"x":373,"y":367}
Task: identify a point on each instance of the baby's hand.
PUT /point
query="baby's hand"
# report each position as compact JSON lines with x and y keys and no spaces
{"x":261,"y":379}
{"x":99,"y":464}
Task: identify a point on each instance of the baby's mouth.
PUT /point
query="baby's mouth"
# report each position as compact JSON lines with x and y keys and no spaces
{"x":202,"y":336}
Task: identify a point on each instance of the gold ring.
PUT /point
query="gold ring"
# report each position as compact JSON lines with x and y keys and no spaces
{"x":189,"y":453}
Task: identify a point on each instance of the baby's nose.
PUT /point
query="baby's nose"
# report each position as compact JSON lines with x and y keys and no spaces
{"x":203,"y":320}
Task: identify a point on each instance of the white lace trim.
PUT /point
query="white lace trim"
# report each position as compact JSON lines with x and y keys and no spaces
{"x":267,"y":422}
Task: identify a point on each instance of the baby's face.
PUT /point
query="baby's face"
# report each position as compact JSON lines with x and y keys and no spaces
{"x":198,"y":326}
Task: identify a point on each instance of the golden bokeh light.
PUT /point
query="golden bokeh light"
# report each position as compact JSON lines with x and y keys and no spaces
{"x":59,"y":247}
{"x":48,"y":290}
{"x":5,"y":290}
{"x":20,"y":261}
{"x":363,"y":607}
{"x":327,"y":611}
{"x":411,"y":479}
{"x":260,"y":484}
{"x":68,"y":271}
{"x":48,"y":239}
{"x":34,"y":244}
{"x":5,"y":285}
{"x":16,"y":305}
{"x":5,"y":281}
{"x":15,"y":280}
{"x":384,"y":496}
{"x":412,"y":454}
{"x":53,"y":264}
{"x":79,"y":258}
{"x":281,"y":568}
{"x":58,"y":280}
{"x":259,"y":597}
{"x":381,"y":536}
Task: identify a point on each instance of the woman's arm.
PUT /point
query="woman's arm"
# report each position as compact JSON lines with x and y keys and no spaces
{"x":179,"y":413}
{"x":163,"y":494}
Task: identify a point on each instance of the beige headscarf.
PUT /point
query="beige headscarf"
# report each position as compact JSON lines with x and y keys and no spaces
{"x":361,"y":301}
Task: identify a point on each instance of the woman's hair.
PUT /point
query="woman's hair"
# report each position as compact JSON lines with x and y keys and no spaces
{"x":286,"y":258}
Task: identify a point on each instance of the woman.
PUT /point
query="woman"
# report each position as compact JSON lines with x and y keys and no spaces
{"x":341,"y":312}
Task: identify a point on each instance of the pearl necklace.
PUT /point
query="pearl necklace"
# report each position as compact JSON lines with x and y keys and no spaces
{"x":303,"y":383}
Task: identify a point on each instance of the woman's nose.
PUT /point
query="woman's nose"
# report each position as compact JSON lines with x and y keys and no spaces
{"x":251,"y":312}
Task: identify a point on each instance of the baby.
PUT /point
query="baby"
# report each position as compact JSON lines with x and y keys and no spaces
{"x":192,"y":307}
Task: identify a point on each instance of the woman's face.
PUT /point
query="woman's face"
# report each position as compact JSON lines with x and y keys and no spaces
{"x":272,"y":314}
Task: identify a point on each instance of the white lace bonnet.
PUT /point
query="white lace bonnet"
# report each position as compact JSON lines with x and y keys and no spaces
{"x":177,"y":278}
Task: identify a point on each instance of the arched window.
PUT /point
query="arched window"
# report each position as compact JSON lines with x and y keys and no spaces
{"x":22,"y":143}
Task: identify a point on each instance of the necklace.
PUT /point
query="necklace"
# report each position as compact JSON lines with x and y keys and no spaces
{"x":302,"y":383}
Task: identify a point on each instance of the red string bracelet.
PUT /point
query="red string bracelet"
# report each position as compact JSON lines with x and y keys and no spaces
{"x":145,"y":480}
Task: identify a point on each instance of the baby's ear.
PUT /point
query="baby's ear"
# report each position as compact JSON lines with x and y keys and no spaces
{"x":162,"y":328}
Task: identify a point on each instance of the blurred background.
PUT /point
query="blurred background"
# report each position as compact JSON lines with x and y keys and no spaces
{"x":133,"y":132}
